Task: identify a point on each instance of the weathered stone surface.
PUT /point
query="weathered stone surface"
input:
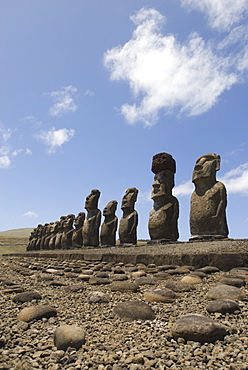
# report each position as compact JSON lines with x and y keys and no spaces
{"x":69,"y":336}
{"x":129,"y":221}
{"x":134,"y":310}
{"x":99,"y":281}
{"x":109,"y":226}
{"x":164,"y":214}
{"x":160,"y":295}
{"x":98,"y":297}
{"x":191,"y":279}
{"x":198,"y":328}
{"x":92,"y":222}
{"x":146,"y":280}
{"x":223,"y":306}
{"x":26,"y":297}
{"x":238,"y":283}
{"x":31,"y":313}
{"x":208,"y":201}
{"x":124,"y":286}
{"x":179,"y":286}
{"x":208,"y":269}
{"x":226,"y":291}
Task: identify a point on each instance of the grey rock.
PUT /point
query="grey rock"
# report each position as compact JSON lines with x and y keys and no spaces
{"x":31,"y":313}
{"x":226,"y":291}
{"x":198,"y":328}
{"x":98,"y":297}
{"x":26,"y":297}
{"x":160,"y":295}
{"x":223,"y":306}
{"x":124,"y":286}
{"x":69,"y":336}
{"x":134,"y":310}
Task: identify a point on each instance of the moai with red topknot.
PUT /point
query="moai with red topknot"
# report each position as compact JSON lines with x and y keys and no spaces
{"x":164,"y":214}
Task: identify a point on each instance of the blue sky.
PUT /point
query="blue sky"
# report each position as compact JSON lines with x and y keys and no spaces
{"x":90,"y":90}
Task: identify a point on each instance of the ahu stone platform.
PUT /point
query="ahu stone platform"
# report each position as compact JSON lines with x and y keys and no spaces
{"x":224,"y":254}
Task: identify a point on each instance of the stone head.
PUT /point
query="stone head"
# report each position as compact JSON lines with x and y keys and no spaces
{"x":206,"y":166}
{"x":163,"y":184}
{"x":79,"y":220}
{"x":110,"y":208}
{"x":129,"y":198}
{"x":91,"y":201}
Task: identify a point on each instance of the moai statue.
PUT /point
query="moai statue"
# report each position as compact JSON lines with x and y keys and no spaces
{"x":47,"y":236}
{"x":129,"y":220}
{"x":109,"y":226}
{"x":32,"y":239}
{"x":208,"y":201}
{"x":66,"y":238}
{"x":54,"y":230}
{"x":164,"y":214}
{"x":77,"y":236}
{"x":40,"y":234}
{"x":57,"y":243}
{"x":92,"y":222}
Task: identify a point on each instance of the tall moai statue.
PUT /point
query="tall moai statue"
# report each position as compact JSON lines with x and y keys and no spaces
{"x":208,"y":201}
{"x":92,"y":222}
{"x":77,"y":236}
{"x":129,"y":220}
{"x":66,"y":238}
{"x":109,"y":226}
{"x":163,"y":217}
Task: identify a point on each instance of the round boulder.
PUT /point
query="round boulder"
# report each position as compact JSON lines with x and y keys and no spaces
{"x":226,"y":291}
{"x":26,"y":297}
{"x":98,"y":297}
{"x":223,"y":306}
{"x":192,"y":279}
{"x":160,"y":295}
{"x":31,"y":313}
{"x":69,"y":336}
{"x":198,"y":328}
{"x":134,"y":310}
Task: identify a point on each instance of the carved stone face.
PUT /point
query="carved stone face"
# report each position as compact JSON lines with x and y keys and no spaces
{"x":92,"y":199}
{"x":163,"y":184}
{"x":110,"y":208}
{"x":129,"y":198}
{"x":79,"y":220}
{"x":206,"y":166}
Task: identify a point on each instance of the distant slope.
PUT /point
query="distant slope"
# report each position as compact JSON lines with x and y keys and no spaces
{"x":16,"y":233}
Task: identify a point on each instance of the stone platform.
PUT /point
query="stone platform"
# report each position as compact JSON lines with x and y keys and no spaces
{"x":224,"y":254}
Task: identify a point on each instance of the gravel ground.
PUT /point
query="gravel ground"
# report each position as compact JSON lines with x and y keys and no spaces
{"x":110,"y":342}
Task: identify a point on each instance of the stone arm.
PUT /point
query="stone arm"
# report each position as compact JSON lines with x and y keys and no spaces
{"x":175,"y":234}
{"x":134,"y":222}
{"x":222,"y":200}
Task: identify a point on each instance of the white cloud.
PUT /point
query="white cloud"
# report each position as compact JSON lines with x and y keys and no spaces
{"x":165,"y":74}
{"x":236,"y":180}
{"x":15,"y":153}
{"x":144,"y":197}
{"x":64,"y":101}
{"x":30,"y":214}
{"x":28,"y":151}
{"x":89,"y":93}
{"x":54,"y":139}
{"x":221,"y":14}
{"x":5,"y":162}
{"x":183,"y":189}
{"x":5,"y":133}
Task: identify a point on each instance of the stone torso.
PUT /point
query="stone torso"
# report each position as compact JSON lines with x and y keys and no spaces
{"x":163,"y":220}
{"x":207,"y":213}
{"x":128,"y":228}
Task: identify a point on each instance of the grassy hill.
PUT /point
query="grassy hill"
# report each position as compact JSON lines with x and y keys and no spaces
{"x":13,"y":241}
